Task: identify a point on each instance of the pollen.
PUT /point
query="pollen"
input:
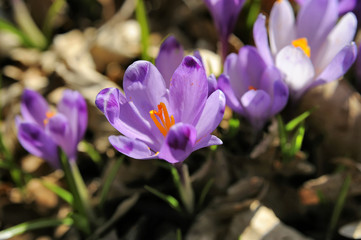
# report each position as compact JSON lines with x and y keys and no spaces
{"x":48,"y":115}
{"x":163,"y":122}
{"x":303,"y":44}
{"x":252,"y":88}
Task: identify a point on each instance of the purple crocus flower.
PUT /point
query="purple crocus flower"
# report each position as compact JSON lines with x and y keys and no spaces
{"x":171,"y":54}
{"x":225,"y":14}
{"x":41,"y":130}
{"x":310,"y":50}
{"x":252,"y":89}
{"x":160,"y":122}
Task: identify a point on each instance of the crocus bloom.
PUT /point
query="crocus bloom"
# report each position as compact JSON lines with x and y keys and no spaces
{"x":310,"y":50}
{"x":160,"y":122}
{"x":252,"y":88}
{"x":225,"y":14}
{"x":41,"y":130}
{"x":171,"y":54}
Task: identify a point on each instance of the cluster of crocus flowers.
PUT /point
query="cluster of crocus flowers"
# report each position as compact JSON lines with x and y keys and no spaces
{"x":157,"y":121}
{"x":225,"y":14}
{"x":252,"y":89}
{"x":41,"y":129}
{"x":310,"y":50}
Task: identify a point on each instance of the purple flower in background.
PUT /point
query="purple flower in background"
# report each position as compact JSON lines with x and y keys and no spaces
{"x":41,"y":130}
{"x":310,"y":50}
{"x":358,"y":68}
{"x":252,"y":89}
{"x":225,"y":14}
{"x":171,"y":54}
{"x":344,"y":6}
{"x":160,"y":122}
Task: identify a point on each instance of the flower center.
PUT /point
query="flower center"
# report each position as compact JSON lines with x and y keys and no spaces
{"x":251,"y":88}
{"x":163,"y":122}
{"x":302,"y":43}
{"x":48,"y":115}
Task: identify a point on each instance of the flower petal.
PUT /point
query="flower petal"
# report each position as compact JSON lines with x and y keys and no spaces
{"x":281,"y":25}
{"x":338,"y":38}
{"x":339,"y":64}
{"x":261,"y":39}
{"x":315,"y":20}
{"x":207,"y":141}
{"x":188,"y":91}
{"x":231,"y":99}
{"x":58,"y":128}
{"x":170,"y":55}
{"x":212,"y":114}
{"x":33,"y":138}
{"x":272,"y":83}
{"x":296,"y":67}
{"x":125,"y":117}
{"x":251,"y":67}
{"x":179,"y":143}
{"x":131,"y":147}
{"x":345,"y":6}
{"x":144,"y":86}
{"x":233,"y":72}
{"x":73,"y":107}
{"x":257,"y":105}
{"x":33,"y":107}
{"x":212,"y":84}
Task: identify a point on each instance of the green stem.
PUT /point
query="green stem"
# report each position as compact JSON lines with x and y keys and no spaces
{"x":79,"y":205}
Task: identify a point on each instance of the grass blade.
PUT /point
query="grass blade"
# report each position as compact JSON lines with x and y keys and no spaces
{"x":51,"y":15}
{"x":109,"y":180}
{"x":338,"y":207}
{"x":32,"y":225}
{"x":143,"y":22}
{"x":61,"y":192}
{"x":167,"y":198}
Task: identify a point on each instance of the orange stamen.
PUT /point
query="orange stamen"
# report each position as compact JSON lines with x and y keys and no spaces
{"x":252,"y":88}
{"x":303,"y":44}
{"x":48,"y":116}
{"x":165,"y":122}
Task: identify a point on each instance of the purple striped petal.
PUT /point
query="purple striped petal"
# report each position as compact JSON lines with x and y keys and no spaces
{"x":179,"y":143}
{"x":33,"y":107}
{"x":33,"y":138}
{"x":207,"y":141}
{"x":145,"y":87}
{"x":170,"y":55}
{"x":212,"y":114}
{"x":73,"y":107}
{"x":125,"y":117}
{"x":132,"y":147}
{"x":188,"y":91}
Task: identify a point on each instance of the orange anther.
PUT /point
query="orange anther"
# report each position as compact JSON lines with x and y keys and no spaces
{"x":163,"y":122}
{"x":303,"y":44}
